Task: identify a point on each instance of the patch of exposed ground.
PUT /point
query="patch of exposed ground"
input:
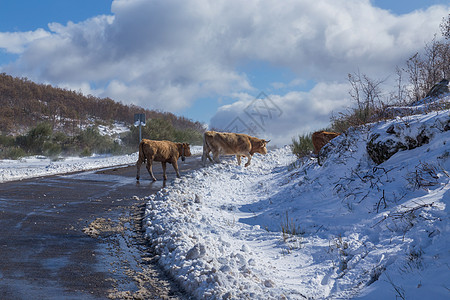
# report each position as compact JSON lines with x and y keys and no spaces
{"x":139,"y":275}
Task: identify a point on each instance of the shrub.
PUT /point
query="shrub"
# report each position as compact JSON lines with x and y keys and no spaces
{"x":12,"y":153}
{"x":86,"y":152}
{"x":161,"y":129}
{"x":91,"y":141}
{"x":188,"y":136}
{"x":7,"y":141}
{"x":303,"y":146}
{"x":52,"y":150}
{"x":33,"y":142}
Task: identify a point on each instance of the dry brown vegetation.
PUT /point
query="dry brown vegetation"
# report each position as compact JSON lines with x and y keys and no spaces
{"x":24,"y":104}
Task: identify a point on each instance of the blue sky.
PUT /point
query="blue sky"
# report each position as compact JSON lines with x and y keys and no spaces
{"x":208,"y":60}
{"x":18,"y":15}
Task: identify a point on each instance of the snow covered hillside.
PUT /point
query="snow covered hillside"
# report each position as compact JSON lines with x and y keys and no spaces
{"x":289,"y":229}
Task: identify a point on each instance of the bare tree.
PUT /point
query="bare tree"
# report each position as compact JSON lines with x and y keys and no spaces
{"x":367,"y":94}
{"x":423,"y":70}
{"x":432,"y":66}
{"x":399,"y":96}
{"x":445,"y":27}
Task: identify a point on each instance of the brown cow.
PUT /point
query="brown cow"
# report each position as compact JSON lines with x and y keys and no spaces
{"x":320,"y":139}
{"x":163,"y":151}
{"x":231,"y":144}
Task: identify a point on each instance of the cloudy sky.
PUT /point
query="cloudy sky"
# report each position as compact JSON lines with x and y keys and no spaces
{"x":275,"y":69}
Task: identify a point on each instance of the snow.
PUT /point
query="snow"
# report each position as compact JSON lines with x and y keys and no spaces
{"x":289,"y":229}
{"x":116,"y":129}
{"x":285,"y":228}
{"x":37,"y":166}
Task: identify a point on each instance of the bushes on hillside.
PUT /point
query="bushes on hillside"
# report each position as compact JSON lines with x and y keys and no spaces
{"x":42,"y":140}
{"x":91,"y":141}
{"x":303,"y":146}
{"x":39,"y":140}
{"x":162,"y":129}
{"x":24,"y":103}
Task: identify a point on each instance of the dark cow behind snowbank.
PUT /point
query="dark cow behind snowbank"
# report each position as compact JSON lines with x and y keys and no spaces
{"x":231,"y":144}
{"x":163,"y":151}
{"x":320,"y":139}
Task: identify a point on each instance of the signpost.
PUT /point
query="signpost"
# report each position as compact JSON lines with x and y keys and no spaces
{"x":139,"y":120}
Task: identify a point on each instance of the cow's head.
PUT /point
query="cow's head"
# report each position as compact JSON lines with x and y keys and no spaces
{"x":260,"y":146}
{"x":184,"y":149}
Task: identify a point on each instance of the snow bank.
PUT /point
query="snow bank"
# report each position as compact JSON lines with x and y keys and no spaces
{"x":36,"y":166}
{"x":196,"y":150}
{"x":289,"y":229}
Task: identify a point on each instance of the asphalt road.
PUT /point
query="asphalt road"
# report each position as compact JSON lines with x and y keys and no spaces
{"x":79,"y":236}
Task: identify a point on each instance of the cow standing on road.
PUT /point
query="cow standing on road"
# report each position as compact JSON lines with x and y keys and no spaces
{"x":231,"y":144}
{"x":163,"y":151}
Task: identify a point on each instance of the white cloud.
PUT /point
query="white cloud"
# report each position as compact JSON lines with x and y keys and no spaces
{"x":282,"y":117}
{"x":16,"y":42}
{"x":167,"y":54}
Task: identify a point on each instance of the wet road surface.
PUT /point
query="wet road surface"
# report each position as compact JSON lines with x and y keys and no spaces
{"x":79,"y":236}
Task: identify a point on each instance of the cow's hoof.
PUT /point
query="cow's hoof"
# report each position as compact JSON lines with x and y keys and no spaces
{"x":246,"y":165}
{"x":154,"y":179}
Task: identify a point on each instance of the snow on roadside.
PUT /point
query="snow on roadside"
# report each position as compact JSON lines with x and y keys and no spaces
{"x":196,"y":150}
{"x":37,"y":166}
{"x":195,"y":226}
{"x":282,"y":228}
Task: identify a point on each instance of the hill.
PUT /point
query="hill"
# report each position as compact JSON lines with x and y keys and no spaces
{"x":37,"y":119}
{"x":24,"y":104}
{"x":287,"y":228}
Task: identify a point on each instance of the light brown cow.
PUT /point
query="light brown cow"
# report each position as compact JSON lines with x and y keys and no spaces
{"x":163,"y":151}
{"x":231,"y":144}
{"x":320,"y":139}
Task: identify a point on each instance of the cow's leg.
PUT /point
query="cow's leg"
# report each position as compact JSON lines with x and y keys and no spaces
{"x":164,"y":170}
{"x":206,"y":150}
{"x":209,"y":157}
{"x":249,"y":159}
{"x":205,"y":156}
{"x":175,"y":166}
{"x":149,"y":169}
{"x":216,"y":156}
{"x":238,"y":159}
{"x":138,"y":167}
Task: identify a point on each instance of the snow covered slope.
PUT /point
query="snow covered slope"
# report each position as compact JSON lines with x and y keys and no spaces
{"x":289,"y":229}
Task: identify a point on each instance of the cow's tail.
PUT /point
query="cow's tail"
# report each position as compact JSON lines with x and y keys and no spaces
{"x":141,"y":153}
{"x":141,"y":159}
{"x":206,"y":149}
